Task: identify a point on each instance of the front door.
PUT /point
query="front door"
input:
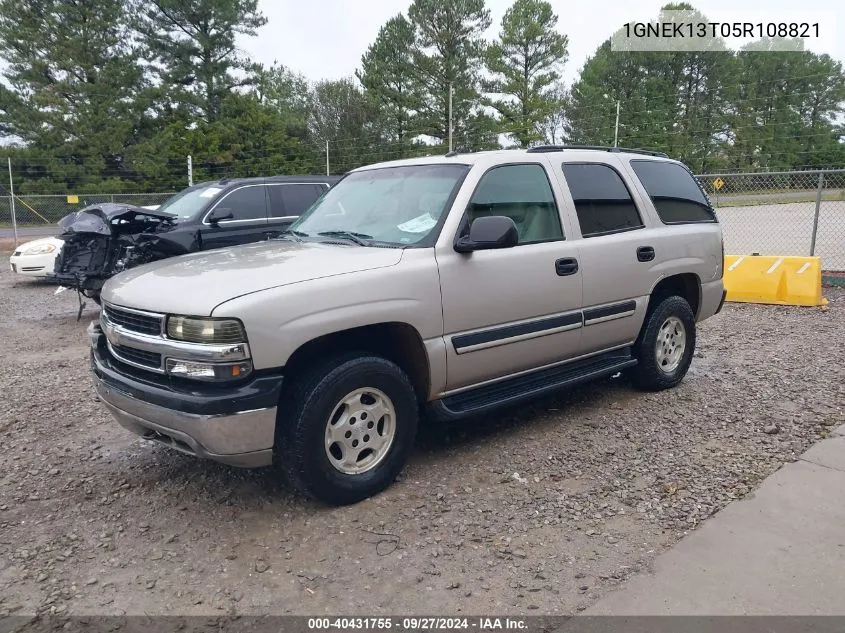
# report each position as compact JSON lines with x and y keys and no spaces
{"x":242,"y":215}
{"x":511,"y":309}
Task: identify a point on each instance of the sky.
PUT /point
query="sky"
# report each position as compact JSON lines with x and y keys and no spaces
{"x":324,"y":39}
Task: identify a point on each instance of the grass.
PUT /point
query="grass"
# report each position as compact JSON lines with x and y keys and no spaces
{"x":827,"y":196}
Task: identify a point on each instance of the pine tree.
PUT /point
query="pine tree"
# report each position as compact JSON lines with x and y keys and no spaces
{"x":525,"y":63}
{"x":387,"y":74}
{"x":193,"y":46}
{"x":74,"y":85}
{"x":448,"y":51}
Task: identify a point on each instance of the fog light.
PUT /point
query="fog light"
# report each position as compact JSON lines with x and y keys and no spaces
{"x":207,"y":371}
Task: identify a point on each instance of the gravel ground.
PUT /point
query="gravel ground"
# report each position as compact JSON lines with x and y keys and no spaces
{"x":538,"y":510}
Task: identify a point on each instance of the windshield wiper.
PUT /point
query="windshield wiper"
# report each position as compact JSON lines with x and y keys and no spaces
{"x":362,"y":239}
{"x":297,"y":234}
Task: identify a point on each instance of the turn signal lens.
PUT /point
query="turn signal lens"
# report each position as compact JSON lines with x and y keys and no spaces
{"x":207,"y":371}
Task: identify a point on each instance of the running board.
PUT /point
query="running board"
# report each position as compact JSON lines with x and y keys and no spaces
{"x":531,"y":385}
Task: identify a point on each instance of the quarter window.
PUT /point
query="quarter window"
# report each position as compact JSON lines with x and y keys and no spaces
{"x":676,"y":196}
{"x":246,"y":203}
{"x":602,"y":201}
{"x":522,"y":193}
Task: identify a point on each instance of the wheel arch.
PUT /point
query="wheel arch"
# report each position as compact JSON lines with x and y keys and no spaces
{"x":684,"y":285}
{"x":396,"y":341}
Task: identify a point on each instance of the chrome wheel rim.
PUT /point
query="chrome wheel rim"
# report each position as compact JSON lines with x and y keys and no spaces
{"x":671,"y":343}
{"x":360,"y":431}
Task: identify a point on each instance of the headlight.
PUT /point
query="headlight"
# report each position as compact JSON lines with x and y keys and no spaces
{"x":208,"y":371}
{"x":205,"y":330}
{"x":40,"y":249}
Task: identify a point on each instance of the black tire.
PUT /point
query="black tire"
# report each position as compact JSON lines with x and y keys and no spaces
{"x":648,"y":373}
{"x":304,"y":413}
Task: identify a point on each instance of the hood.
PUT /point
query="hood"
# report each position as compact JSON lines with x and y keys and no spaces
{"x":196,"y":283}
{"x":97,"y":218}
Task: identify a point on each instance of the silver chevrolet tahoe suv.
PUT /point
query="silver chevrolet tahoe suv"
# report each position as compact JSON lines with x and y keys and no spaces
{"x":441,"y":287}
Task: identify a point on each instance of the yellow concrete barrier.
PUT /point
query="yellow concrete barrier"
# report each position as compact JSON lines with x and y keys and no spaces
{"x":769,"y":279}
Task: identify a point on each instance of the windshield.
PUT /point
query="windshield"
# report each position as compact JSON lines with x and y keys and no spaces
{"x":396,"y":205}
{"x":188,"y":202}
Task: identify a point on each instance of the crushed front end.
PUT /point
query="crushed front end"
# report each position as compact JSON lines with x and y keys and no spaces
{"x":102,"y":240}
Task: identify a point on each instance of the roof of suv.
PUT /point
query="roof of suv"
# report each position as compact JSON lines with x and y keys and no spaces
{"x":225,"y":182}
{"x":576,"y":152}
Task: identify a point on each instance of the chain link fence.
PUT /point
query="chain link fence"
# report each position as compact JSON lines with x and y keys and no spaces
{"x":782,"y":213}
{"x":46,"y":210}
{"x":774,"y":213}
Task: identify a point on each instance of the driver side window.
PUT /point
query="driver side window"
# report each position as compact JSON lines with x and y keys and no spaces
{"x":522,"y":193}
{"x":246,"y":203}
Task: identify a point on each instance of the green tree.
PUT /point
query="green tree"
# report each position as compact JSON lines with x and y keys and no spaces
{"x":525,"y":64}
{"x":387,"y":74}
{"x":286,"y":93}
{"x":553,"y":127}
{"x":785,"y":112}
{"x":192,"y":44}
{"x":448,"y":52}
{"x":341,"y":114}
{"x":670,"y":101}
{"x":249,"y":138}
{"x":74,"y":93}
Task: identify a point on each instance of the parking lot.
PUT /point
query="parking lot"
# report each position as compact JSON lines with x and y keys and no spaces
{"x":542,"y":509}
{"x":785,"y":229}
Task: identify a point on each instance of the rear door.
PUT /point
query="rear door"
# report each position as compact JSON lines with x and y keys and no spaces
{"x":287,"y":201}
{"x":247,"y":205}
{"x":617,"y":252}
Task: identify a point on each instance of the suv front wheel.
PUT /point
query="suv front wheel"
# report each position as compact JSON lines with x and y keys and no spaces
{"x":665,"y":346}
{"x":346,"y":427}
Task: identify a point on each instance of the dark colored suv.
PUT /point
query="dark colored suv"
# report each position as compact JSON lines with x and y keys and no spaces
{"x":101,"y":240}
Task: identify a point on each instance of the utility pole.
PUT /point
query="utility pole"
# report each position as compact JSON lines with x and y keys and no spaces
{"x":450,"y":116}
{"x":327,"y":158}
{"x":190,"y":172}
{"x":12,"y":200}
{"x":616,"y":131}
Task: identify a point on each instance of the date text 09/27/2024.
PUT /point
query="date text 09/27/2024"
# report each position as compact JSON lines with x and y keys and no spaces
{"x":418,"y":623}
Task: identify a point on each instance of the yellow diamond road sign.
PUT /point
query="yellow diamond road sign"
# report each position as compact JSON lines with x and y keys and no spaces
{"x":718,"y":184}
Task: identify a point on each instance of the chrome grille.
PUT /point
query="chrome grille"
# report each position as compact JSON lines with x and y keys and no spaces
{"x":137,"y":356}
{"x":134,"y":321}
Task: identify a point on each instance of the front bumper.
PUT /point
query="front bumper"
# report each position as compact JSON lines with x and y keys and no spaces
{"x":33,"y":265}
{"x":233,"y":424}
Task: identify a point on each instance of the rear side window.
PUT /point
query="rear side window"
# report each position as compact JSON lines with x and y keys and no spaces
{"x":602,"y":201}
{"x":289,"y":200}
{"x":676,"y":196}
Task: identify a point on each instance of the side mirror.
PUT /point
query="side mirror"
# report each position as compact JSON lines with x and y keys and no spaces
{"x":219,"y":214}
{"x":494,"y":231}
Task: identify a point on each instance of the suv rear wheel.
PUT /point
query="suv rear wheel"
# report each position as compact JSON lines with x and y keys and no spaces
{"x":665,"y":346}
{"x":346,"y":428}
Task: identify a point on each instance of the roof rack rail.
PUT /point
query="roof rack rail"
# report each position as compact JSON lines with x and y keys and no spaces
{"x":540,"y":149}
